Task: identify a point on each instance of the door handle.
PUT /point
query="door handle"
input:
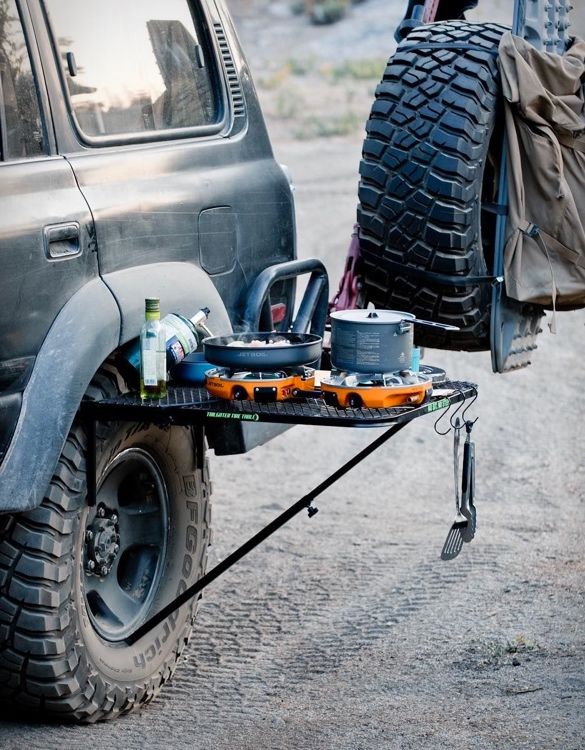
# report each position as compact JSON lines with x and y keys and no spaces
{"x":62,"y":241}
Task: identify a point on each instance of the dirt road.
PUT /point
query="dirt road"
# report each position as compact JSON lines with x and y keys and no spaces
{"x":347,"y":631}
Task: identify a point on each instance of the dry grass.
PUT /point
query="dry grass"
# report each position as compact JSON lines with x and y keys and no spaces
{"x":306,"y":98}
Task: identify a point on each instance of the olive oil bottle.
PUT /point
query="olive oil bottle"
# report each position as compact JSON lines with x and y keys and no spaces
{"x":153,"y":355}
{"x":183,"y":336}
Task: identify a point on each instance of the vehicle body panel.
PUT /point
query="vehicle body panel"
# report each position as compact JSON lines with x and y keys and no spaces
{"x":190,"y":215}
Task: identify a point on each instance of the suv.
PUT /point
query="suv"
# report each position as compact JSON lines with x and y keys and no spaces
{"x":134,"y":161}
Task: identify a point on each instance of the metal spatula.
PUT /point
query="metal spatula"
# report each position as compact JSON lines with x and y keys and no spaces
{"x":454,"y":541}
{"x":467,"y":508}
{"x":464,"y":525}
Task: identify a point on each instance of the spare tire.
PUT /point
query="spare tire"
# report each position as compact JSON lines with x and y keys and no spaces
{"x":427,"y":166}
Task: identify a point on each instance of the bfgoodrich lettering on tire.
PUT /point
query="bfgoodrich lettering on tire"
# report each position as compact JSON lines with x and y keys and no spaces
{"x":76,"y":580}
{"x":426,"y":170}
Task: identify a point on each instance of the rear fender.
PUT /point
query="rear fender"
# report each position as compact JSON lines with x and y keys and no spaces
{"x":83,"y":334}
{"x":182,"y":288}
{"x":100,"y":317}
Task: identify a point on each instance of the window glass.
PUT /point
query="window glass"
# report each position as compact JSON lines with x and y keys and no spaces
{"x":135,"y":66}
{"x":20,"y":120}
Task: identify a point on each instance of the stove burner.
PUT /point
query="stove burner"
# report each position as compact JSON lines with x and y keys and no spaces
{"x":340,"y":389}
{"x":373,"y":380}
{"x":376,"y":390}
{"x":240,"y":385}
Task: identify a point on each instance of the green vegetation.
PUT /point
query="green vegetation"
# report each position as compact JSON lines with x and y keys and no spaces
{"x":368,"y":69}
{"x":327,"y":126}
{"x":319,"y":99}
{"x":495,"y":651}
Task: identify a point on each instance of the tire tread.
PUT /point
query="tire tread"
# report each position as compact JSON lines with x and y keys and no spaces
{"x":421,"y":178}
{"x":42,"y":665}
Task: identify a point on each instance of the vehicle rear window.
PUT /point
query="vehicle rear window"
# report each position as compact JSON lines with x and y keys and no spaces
{"x":21,"y":133}
{"x":136,"y":65}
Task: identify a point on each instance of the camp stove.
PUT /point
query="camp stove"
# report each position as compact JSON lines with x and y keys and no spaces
{"x":380,"y":390}
{"x":263,"y":386}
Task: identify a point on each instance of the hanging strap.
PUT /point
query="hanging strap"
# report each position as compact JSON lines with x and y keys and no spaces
{"x":534,"y":231}
{"x":439,"y":278}
{"x":577,"y":259}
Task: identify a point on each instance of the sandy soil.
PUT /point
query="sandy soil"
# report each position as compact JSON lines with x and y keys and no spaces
{"x":347,"y":631}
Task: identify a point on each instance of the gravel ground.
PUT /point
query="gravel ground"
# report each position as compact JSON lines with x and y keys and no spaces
{"x":347,"y":631}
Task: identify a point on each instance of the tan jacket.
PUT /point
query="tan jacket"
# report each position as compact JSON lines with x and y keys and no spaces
{"x":544,"y":256}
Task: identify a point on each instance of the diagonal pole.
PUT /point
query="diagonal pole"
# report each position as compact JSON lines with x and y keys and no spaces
{"x":285,"y":517}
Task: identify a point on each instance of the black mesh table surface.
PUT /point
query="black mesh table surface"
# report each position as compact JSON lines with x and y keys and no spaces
{"x":185,"y":405}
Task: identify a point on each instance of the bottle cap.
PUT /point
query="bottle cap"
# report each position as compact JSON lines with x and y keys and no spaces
{"x":152,"y":304}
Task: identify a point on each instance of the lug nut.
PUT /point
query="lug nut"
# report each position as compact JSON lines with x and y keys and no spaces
{"x":116,"y":548}
{"x":114,"y":518}
{"x":104,"y":570}
{"x":101,"y":512}
{"x":90,"y":565}
{"x":88,"y":535}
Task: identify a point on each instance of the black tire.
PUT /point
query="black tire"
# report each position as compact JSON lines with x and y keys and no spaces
{"x":426,"y":166}
{"x":62,"y":625}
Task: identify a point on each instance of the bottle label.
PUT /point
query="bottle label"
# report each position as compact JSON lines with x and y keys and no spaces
{"x":175,"y":350}
{"x":150,"y":369}
{"x":175,"y":327}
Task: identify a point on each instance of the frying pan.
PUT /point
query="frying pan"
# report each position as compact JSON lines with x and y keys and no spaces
{"x":296,"y":349}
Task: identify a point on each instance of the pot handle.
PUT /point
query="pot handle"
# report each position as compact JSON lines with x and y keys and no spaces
{"x":445,"y":326}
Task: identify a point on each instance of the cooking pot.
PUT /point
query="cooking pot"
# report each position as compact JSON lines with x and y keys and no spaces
{"x":259,"y":351}
{"x":191,"y":371}
{"x":377,"y":341}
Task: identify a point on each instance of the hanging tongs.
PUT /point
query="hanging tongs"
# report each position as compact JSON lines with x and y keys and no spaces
{"x":464,"y":525}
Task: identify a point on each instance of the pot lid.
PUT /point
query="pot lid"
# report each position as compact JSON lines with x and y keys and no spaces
{"x":372,"y":316}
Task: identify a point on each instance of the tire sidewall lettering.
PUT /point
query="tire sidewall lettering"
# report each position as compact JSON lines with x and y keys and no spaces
{"x":182,"y":566}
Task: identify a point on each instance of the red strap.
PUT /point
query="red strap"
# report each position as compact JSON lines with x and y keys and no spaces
{"x":348,"y":294}
{"x":430,"y":11}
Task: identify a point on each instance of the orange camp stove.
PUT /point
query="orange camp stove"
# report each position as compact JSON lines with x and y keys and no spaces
{"x":279,"y":385}
{"x":376,"y":390}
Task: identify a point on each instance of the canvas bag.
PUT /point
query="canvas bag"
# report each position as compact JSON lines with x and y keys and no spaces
{"x":544,"y":254}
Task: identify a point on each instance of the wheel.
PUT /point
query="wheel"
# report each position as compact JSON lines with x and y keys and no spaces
{"x":354,"y":401}
{"x":426,"y":168}
{"x":75,"y":580}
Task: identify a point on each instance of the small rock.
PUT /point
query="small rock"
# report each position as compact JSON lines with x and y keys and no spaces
{"x":516,"y":662}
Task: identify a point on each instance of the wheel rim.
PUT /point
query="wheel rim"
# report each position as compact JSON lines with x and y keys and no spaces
{"x":125,"y":544}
